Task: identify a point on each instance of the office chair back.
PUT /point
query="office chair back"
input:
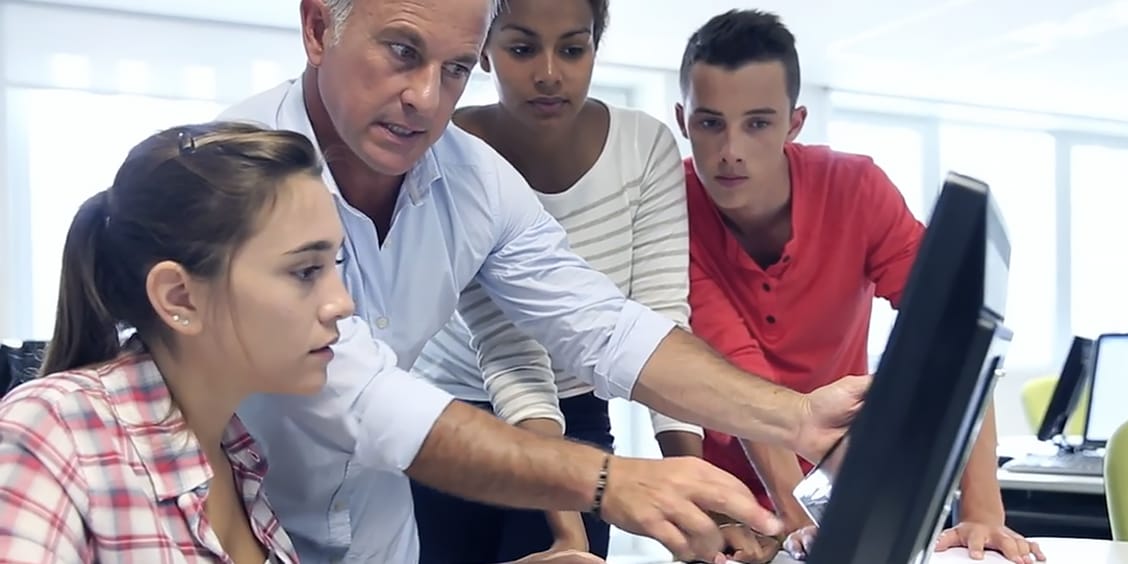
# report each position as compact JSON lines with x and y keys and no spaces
{"x":20,"y":362}
{"x":1036,"y":394}
{"x":1116,"y":482}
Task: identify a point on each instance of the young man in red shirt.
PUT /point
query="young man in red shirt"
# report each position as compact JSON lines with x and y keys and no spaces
{"x":789,"y":244}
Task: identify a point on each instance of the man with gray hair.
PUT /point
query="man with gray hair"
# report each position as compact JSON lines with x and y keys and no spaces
{"x":437,"y":221}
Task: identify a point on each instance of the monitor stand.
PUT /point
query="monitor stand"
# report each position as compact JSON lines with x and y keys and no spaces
{"x":1066,"y":448}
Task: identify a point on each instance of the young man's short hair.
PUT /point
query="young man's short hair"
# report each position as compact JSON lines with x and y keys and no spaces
{"x":738,"y":37}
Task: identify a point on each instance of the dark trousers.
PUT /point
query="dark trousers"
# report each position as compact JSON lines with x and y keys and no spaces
{"x":457,"y":531}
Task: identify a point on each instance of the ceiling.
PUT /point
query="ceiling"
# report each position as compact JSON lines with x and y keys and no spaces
{"x":1042,"y":55}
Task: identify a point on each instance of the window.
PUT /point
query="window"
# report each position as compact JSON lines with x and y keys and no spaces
{"x":75,"y":143}
{"x":1099,"y":277}
{"x":1019,"y":167}
{"x":898,"y":150}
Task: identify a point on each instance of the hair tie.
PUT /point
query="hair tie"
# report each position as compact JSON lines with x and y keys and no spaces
{"x":186,"y":142}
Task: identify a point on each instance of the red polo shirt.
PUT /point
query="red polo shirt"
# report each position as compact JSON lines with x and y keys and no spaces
{"x":804,"y":321}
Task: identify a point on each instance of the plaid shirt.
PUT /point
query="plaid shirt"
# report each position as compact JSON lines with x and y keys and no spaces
{"x":97,"y":466}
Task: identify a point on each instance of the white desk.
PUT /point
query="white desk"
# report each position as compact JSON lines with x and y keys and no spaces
{"x":1092,"y":485}
{"x":1018,"y":446}
{"x":1058,"y":551}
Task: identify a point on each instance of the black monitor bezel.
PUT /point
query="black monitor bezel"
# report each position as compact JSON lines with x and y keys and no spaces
{"x":856,"y":528}
{"x":1066,"y":396}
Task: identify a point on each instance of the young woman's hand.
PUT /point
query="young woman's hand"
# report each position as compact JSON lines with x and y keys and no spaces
{"x":748,"y":547}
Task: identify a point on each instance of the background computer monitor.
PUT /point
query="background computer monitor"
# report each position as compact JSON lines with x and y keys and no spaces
{"x":910,"y":442}
{"x":1067,"y":392}
{"x":1109,"y":388}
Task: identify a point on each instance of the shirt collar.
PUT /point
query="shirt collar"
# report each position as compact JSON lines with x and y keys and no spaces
{"x":292,"y":115}
{"x":168,"y":450}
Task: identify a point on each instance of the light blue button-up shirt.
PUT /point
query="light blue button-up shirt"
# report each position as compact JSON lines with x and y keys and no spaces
{"x":463,"y":217}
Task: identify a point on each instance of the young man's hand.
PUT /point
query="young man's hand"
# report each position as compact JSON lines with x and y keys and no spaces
{"x":978,"y":537}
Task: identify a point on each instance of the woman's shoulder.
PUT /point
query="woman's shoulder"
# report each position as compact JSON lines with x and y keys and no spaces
{"x":472,"y":119}
{"x":636,"y":125}
{"x":49,"y":409}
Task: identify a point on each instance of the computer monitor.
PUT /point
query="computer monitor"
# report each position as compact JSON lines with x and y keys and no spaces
{"x":1108,"y":390}
{"x":893,"y":474}
{"x":1067,"y":392}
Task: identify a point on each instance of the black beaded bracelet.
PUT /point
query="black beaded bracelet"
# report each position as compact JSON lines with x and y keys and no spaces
{"x":601,"y":486}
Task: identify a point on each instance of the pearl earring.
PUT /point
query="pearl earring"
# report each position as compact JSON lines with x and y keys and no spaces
{"x":181,"y":320}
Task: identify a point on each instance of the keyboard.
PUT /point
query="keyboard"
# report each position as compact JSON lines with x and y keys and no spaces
{"x":1061,"y":464}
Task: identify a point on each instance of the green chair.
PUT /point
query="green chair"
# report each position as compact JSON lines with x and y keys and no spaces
{"x":1116,"y":482}
{"x":1036,"y":394}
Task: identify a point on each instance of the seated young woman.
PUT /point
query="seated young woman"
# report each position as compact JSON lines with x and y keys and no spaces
{"x":216,"y":247}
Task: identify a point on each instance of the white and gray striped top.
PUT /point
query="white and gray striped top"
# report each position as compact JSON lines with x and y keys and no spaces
{"x":627,"y":218}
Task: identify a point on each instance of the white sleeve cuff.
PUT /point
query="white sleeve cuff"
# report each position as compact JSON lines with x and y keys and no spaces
{"x":664,"y":424}
{"x":637,"y":334}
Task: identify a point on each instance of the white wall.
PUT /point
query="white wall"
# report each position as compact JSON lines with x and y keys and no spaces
{"x":7,"y":241}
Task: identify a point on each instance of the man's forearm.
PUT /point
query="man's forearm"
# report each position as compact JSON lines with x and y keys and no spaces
{"x":471,"y":454}
{"x":689,"y":381}
{"x":980,"y":498}
{"x":679,"y":443}
{"x":779,"y":471}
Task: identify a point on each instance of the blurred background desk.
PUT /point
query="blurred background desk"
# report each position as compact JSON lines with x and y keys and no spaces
{"x":1051,"y":505}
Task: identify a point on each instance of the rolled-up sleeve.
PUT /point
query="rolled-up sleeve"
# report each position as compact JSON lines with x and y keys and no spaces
{"x":369,"y":408}
{"x":553,"y":296}
{"x":370,"y":415}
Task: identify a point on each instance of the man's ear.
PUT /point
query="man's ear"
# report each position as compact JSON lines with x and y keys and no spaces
{"x":798,"y":118}
{"x":317,"y":30}
{"x":679,"y":114}
{"x":171,"y":290}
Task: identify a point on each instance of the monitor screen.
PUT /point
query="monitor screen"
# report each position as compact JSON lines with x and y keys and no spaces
{"x":1110,"y":387}
{"x":1067,"y":392}
{"x":880,"y":494}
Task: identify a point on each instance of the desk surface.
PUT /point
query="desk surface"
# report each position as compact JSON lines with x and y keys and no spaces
{"x":1092,"y":485}
{"x":1018,"y":446}
{"x":1058,"y":551}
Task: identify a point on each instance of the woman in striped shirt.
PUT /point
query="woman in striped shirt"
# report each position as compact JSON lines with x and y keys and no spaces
{"x":216,"y":244}
{"x":612,"y":177}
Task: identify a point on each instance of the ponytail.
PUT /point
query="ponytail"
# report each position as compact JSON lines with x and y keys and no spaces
{"x":85,"y":331}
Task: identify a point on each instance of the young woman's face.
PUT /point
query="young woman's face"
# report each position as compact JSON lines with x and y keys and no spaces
{"x":277,"y":312}
{"x":541,"y":54}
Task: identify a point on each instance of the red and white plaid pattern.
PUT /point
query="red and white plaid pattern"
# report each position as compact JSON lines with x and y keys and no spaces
{"x":97,"y":466}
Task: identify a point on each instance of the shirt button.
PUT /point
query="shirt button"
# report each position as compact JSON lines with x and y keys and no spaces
{"x":767,"y":287}
{"x":771,"y":319}
{"x":382,"y":323}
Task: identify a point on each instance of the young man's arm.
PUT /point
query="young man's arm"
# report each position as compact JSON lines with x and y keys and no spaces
{"x":718,"y":323}
{"x":894,"y":240}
